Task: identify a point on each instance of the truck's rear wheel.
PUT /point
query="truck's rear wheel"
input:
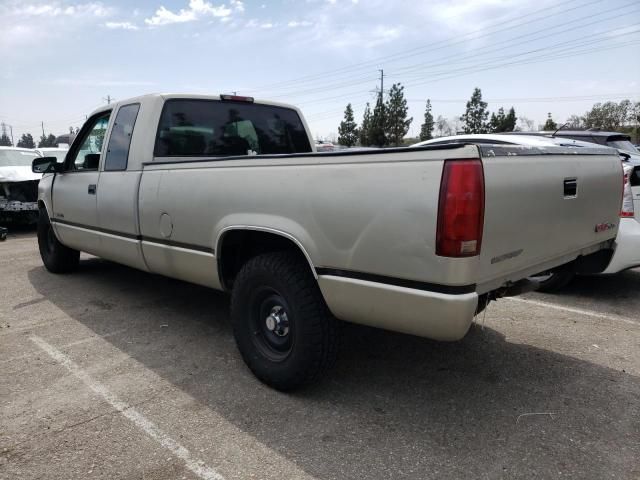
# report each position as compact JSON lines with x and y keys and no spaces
{"x":282,"y":326}
{"x":56,"y":257}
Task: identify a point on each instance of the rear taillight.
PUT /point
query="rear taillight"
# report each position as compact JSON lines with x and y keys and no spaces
{"x":627,"y":196}
{"x":461,"y":209}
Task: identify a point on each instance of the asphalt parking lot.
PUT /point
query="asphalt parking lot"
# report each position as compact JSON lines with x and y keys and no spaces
{"x":114,"y":373}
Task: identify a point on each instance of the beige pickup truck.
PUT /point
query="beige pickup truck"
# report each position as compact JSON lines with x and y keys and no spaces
{"x":227,"y":192}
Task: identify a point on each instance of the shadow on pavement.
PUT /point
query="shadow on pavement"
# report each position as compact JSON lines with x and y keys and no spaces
{"x":396,"y":406}
{"x":614,"y":294}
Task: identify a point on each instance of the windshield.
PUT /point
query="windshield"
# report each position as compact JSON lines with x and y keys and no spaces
{"x":16,"y":158}
{"x":625,"y":145}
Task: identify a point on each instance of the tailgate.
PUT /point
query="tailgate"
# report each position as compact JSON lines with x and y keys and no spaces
{"x":544,"y":207}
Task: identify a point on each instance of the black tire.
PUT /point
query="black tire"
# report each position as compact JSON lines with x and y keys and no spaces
{"x":554,"y":281}
{"x":299,"y":343}
{"x":56,"y":257}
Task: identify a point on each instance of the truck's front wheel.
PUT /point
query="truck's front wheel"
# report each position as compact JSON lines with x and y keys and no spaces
{"x":282,"y":326}
{"x":56,"y":257}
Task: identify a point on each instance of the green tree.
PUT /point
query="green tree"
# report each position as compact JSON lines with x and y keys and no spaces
{"x":475,"y":117}
{"x":503,"y":123}
{"x":348,"y":129}
{"x":510,"y":121}
{"x":550,"y":125}
{"x":609,"y":115}
{"x":26,"y":141}
{"x":496,"y":121}
{"x":377,"y":131}
{"x":5,"y":141}
{"x":426,"y":129}
{"x":47,"y":141}
{"x":365,"y":128}
{"x":397,"y":124}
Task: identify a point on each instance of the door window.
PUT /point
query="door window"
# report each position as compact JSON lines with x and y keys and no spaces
{"x":87,"y":156}
{"x":120,"y":139}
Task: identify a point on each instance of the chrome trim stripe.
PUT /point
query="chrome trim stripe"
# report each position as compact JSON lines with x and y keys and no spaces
{"x":141,"y":238}
{"x":399,"y":282}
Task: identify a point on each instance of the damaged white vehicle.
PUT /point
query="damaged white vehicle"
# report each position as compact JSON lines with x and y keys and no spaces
{"x":18,"y":185}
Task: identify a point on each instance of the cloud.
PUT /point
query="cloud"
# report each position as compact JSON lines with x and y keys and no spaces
{"x":296,"y":23}
{"x":57,"y":9}
{"x":253,"y":23}
{"x":26,"y":23}
{"x":121,"y":26}
{"x":237,"y":5}
{"x":197,"y":9}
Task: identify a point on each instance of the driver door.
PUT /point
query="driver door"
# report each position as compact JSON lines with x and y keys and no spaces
{"x":75,"y":189}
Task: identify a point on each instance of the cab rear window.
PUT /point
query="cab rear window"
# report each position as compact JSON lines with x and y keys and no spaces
{"x":212,"y":128}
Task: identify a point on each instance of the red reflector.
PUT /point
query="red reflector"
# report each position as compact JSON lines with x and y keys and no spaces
{"x":461,"y":209}
{"x":236,"y":98}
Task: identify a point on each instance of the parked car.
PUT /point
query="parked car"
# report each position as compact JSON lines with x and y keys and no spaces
{"x":18,"y":185}
{"x":618,"y":140}
{"x":324,"y":146}
{"x":228,"y":192}
{"x":627,"y":246}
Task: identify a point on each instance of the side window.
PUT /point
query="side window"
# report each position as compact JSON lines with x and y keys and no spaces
{"x":87,"y":156}
{"x":120,"y":139}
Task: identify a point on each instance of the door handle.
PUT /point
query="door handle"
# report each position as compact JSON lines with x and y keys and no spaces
{"x":91,"y":190}
{"x":570,"y":187}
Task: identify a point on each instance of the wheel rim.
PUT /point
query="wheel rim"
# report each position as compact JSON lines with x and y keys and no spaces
{"x":271,"y":323}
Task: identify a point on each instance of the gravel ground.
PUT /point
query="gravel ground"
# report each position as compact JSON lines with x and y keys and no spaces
{"x":114,"y":373}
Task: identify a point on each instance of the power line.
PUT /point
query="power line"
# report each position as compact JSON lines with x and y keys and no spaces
{"x":429,"y":47}
{"x":478,"y":52}
{"x":483,"y":66}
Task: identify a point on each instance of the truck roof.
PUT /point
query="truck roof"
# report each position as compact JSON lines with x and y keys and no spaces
{"x":194,"y":96}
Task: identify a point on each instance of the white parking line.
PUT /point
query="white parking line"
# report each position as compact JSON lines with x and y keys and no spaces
{"x":194,"y":465}
{"x":91,"y":338}
{"x":575,"y":310}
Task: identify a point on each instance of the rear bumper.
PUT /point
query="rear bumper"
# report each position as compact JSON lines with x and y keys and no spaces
{"x":440,"y":316}
{"x":627,"y":247}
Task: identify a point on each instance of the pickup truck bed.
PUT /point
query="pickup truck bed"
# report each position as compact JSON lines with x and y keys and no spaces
{"x":368,"y":229}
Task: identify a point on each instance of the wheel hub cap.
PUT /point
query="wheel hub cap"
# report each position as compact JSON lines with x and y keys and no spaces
{"x":277,"y":321}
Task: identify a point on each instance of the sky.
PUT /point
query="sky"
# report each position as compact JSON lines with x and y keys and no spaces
{"x":61,"y":59}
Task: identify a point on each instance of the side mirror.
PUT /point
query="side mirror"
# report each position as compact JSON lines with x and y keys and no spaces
{"x":46,"y":165}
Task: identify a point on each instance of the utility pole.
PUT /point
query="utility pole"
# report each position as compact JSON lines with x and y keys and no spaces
{"x":42,"y":123}
{"x":11,"y":129}
{"x":381,"y":85}
{"x":108,"y":98}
